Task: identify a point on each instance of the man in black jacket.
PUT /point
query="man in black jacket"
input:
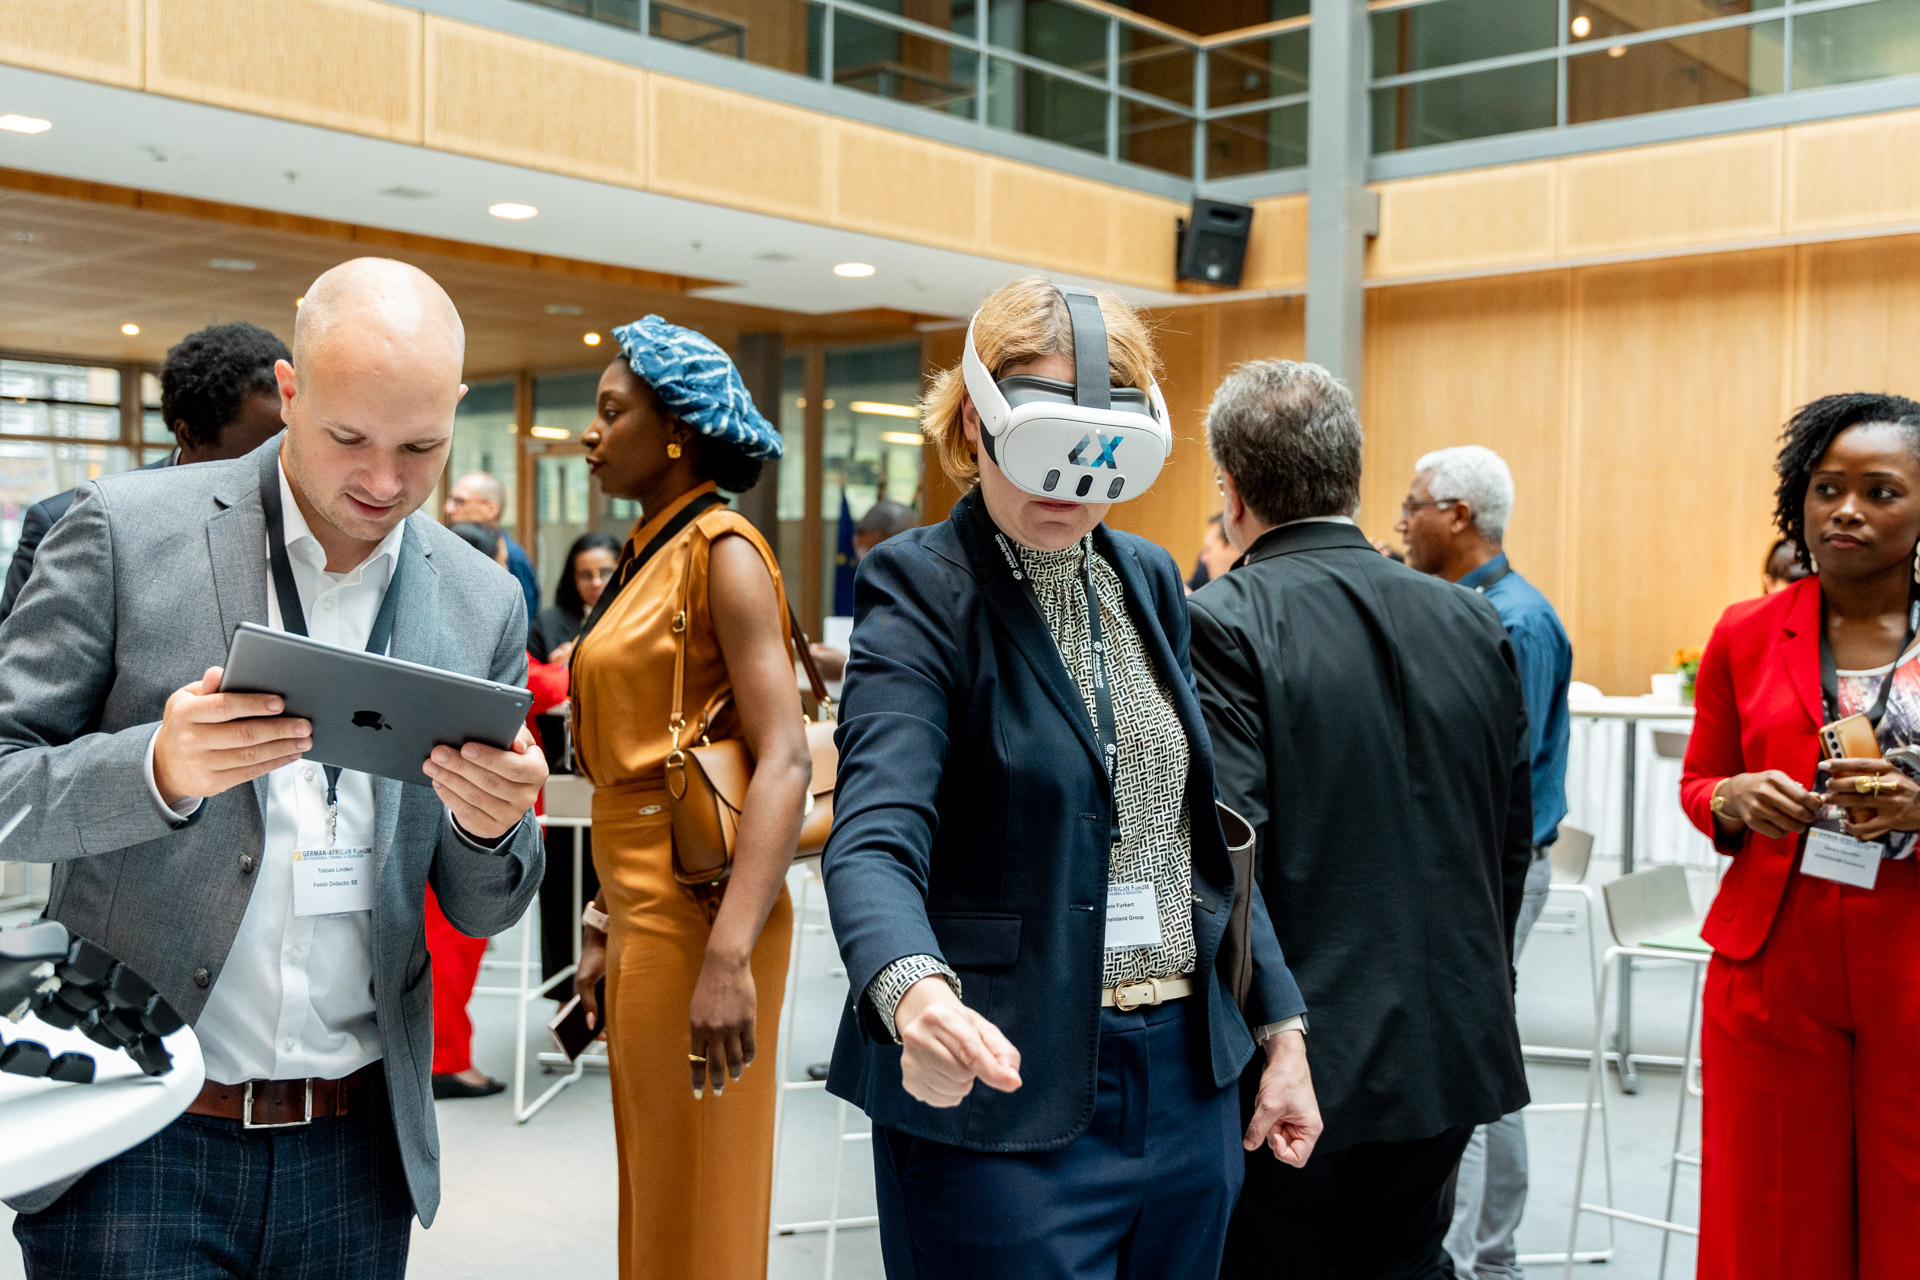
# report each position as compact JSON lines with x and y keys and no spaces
{"x":219,"y":399}
{"x":1368,"y":721}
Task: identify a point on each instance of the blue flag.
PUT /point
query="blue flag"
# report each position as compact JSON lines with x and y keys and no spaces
{"x":843,"y":562}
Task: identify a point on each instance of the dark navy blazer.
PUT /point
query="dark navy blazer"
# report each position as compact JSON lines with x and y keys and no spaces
{"x":972,"y":823}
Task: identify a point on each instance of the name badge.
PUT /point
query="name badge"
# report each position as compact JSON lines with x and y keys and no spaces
{"x":1833,"y":855}
{"x":1133,"y":916}
{"x":332,"y":882}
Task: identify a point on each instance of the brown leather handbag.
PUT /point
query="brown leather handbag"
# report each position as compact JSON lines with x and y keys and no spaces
{"x":707,"y":780}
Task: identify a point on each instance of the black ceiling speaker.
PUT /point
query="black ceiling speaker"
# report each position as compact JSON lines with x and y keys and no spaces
{"x":1212,"y":242}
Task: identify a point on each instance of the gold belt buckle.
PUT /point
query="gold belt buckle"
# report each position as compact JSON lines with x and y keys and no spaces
{"x":246,"y":1110}
{"x":1124,"y":995}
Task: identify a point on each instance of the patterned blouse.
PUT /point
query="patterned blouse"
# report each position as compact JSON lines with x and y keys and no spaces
{"x":1900,"y":725}
{"x":1150,"y":778}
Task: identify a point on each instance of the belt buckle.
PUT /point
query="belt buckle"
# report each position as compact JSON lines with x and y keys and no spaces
{"x":1124,"y":995}
{"x":246,"y":1109}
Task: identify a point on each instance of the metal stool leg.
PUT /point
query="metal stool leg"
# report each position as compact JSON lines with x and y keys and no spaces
{"x":1596,"y":1069}
{"x":783,"y":1051}
{"x":1680,"y":1118}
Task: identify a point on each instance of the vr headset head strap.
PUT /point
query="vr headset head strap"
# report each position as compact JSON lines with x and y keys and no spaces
{"x":1092,"y":383}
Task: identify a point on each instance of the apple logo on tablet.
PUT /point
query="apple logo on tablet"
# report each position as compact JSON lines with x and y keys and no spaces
{"x":369,"y":720}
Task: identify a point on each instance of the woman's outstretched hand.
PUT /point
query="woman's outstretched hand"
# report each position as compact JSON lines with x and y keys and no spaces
{"x":948,"y":1046}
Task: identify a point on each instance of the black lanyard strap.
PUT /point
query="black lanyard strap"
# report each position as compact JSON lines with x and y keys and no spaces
{"x":293,"y":617}
{"x":1830,"y":675}
{"x":1495,"y":576}
{"x":1106,"y":726}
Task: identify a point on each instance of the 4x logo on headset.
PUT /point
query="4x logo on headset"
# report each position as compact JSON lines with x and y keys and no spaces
{"x":1106,"y":444}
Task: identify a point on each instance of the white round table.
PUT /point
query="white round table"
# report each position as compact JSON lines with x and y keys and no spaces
{"x":50,"y":1130}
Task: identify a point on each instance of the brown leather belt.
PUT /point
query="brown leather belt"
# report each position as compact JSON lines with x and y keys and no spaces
{"x":285,"y":1104}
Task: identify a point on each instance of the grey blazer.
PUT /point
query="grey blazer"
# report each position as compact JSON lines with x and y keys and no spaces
{"x":135,"y":593}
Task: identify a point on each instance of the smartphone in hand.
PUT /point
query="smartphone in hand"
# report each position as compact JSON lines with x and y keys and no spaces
{"x":569,"y":1029}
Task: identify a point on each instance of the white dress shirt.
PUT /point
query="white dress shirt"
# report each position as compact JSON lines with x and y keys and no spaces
{"x":295,"y":997}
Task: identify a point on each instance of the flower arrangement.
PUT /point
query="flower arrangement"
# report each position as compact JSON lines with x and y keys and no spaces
{"x":1687,"y":663}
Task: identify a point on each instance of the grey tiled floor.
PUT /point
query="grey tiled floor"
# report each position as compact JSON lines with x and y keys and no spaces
{"x":534,"y":1201}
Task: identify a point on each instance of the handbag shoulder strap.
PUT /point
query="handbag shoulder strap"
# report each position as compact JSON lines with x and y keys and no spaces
{"x":802,"y":646}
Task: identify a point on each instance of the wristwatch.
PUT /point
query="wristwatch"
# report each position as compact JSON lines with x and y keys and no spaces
{"x":594,"y":918}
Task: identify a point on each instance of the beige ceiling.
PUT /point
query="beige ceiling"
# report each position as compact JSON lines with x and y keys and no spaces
{"x":74,"y":270}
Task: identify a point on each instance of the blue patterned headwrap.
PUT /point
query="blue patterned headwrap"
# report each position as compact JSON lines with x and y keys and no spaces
{"x":698,"y":384}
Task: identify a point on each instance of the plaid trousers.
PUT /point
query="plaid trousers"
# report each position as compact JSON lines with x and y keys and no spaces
{"x":205,"y":1199}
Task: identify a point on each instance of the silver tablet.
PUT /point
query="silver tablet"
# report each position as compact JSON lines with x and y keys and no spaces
{"x":374,"y":714}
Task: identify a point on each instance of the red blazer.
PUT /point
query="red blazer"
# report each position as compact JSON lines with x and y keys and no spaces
{"x":1757,"y":706}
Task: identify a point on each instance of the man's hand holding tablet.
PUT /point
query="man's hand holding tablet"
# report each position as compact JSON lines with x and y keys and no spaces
{"x":210,"y":742}
{"x":488,"y":790}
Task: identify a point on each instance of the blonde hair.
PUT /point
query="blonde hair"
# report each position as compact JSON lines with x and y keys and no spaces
{"x":1024,"y":321}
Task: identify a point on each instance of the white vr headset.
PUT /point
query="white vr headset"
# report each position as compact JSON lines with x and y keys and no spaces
{"x":1084,"y":441}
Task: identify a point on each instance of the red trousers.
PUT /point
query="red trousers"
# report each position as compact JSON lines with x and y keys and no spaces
{"x":456,"y":967}
{"x":1811,"y":1165}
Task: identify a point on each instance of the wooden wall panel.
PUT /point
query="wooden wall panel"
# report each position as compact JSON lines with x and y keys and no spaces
{"x":1473,"y":362}
{"x":353,"y":65}
{"x":1140,"y":238}
{"x":521,"y":102}
{"x":1047,"y":218}
{"x":1463,"y":221}
{"x":1863,"y":172}
{"x":894,"y":185}
{"x":1677,"y":393}
{"x":777,"y":158}
{"x":93,"y":39}
{"x":1706,"y":193}
{"x":1277,"y":245}
{"x":1858,"y":311}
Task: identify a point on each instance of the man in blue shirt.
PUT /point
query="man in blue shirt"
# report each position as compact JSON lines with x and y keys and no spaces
{"x":1454,"y":519}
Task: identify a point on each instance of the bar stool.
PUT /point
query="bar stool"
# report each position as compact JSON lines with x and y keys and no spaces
{"x":1651,"y":917}
{"x":812,"y":887}
{"x":1570,"y":855}
{"x":568,"y":802}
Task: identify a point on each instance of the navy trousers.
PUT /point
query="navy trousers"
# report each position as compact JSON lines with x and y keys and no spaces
{"x":1144,"y":1194}
{"x":205,"y":1199}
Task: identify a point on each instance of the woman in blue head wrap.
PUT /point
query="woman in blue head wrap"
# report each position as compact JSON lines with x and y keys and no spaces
{"x":694,"y":974}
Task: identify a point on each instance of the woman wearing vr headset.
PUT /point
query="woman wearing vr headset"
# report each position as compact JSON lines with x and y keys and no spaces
{"x":1028,"y":878}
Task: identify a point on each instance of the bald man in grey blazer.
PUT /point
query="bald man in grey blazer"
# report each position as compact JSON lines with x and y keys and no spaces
{"x":172,"y":811}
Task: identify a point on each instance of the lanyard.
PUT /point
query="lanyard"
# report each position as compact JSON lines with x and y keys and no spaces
{"x":1830,"y":676}
{"x":1495,"y":576}
{"x":293,"y":618}
{"x":1105,"y":724}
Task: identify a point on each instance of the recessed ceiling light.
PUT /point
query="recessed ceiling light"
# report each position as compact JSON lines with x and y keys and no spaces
{"x":297,"y":301}
{"x":827,"y":403}
{"x":1618,"y":51}
{"x":563,"y":309}
{"x":231,"y":264}
{"x":1581,"y":27}
{"x":854,"y":270}
{"x":131,"y":330}
{"x":901,"y":437}
{"x":24,"y":124}
{"x":551,"y":433}
{"x":885,"y":410}
{"x":511,"y":211}
{"x":591,"y":339}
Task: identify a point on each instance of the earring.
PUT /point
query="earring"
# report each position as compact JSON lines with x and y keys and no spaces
{"x":1812,"y":564}
{"x":673,"y":448}
{"x":1916,"y":562}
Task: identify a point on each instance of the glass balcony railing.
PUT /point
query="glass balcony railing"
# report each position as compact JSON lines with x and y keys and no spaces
{"x":1201,"y":105}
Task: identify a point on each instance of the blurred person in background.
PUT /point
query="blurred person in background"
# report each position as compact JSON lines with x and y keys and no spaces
{"x":1783,"y":567}
{"x":454,"y":955}
{"x":1454,"y":521}
{"x":1368,"y":721}
{"x":977,"y":836}
{"x":1216,"y":555}
{"x":695,"y":973}
{"x":1812,"y":1002}
{"x":219,"y":399}
{"x":479,"y":498}
{"x":583,"y":578}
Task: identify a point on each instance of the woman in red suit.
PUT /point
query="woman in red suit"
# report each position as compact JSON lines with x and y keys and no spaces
{"x":1812,"y":1034}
